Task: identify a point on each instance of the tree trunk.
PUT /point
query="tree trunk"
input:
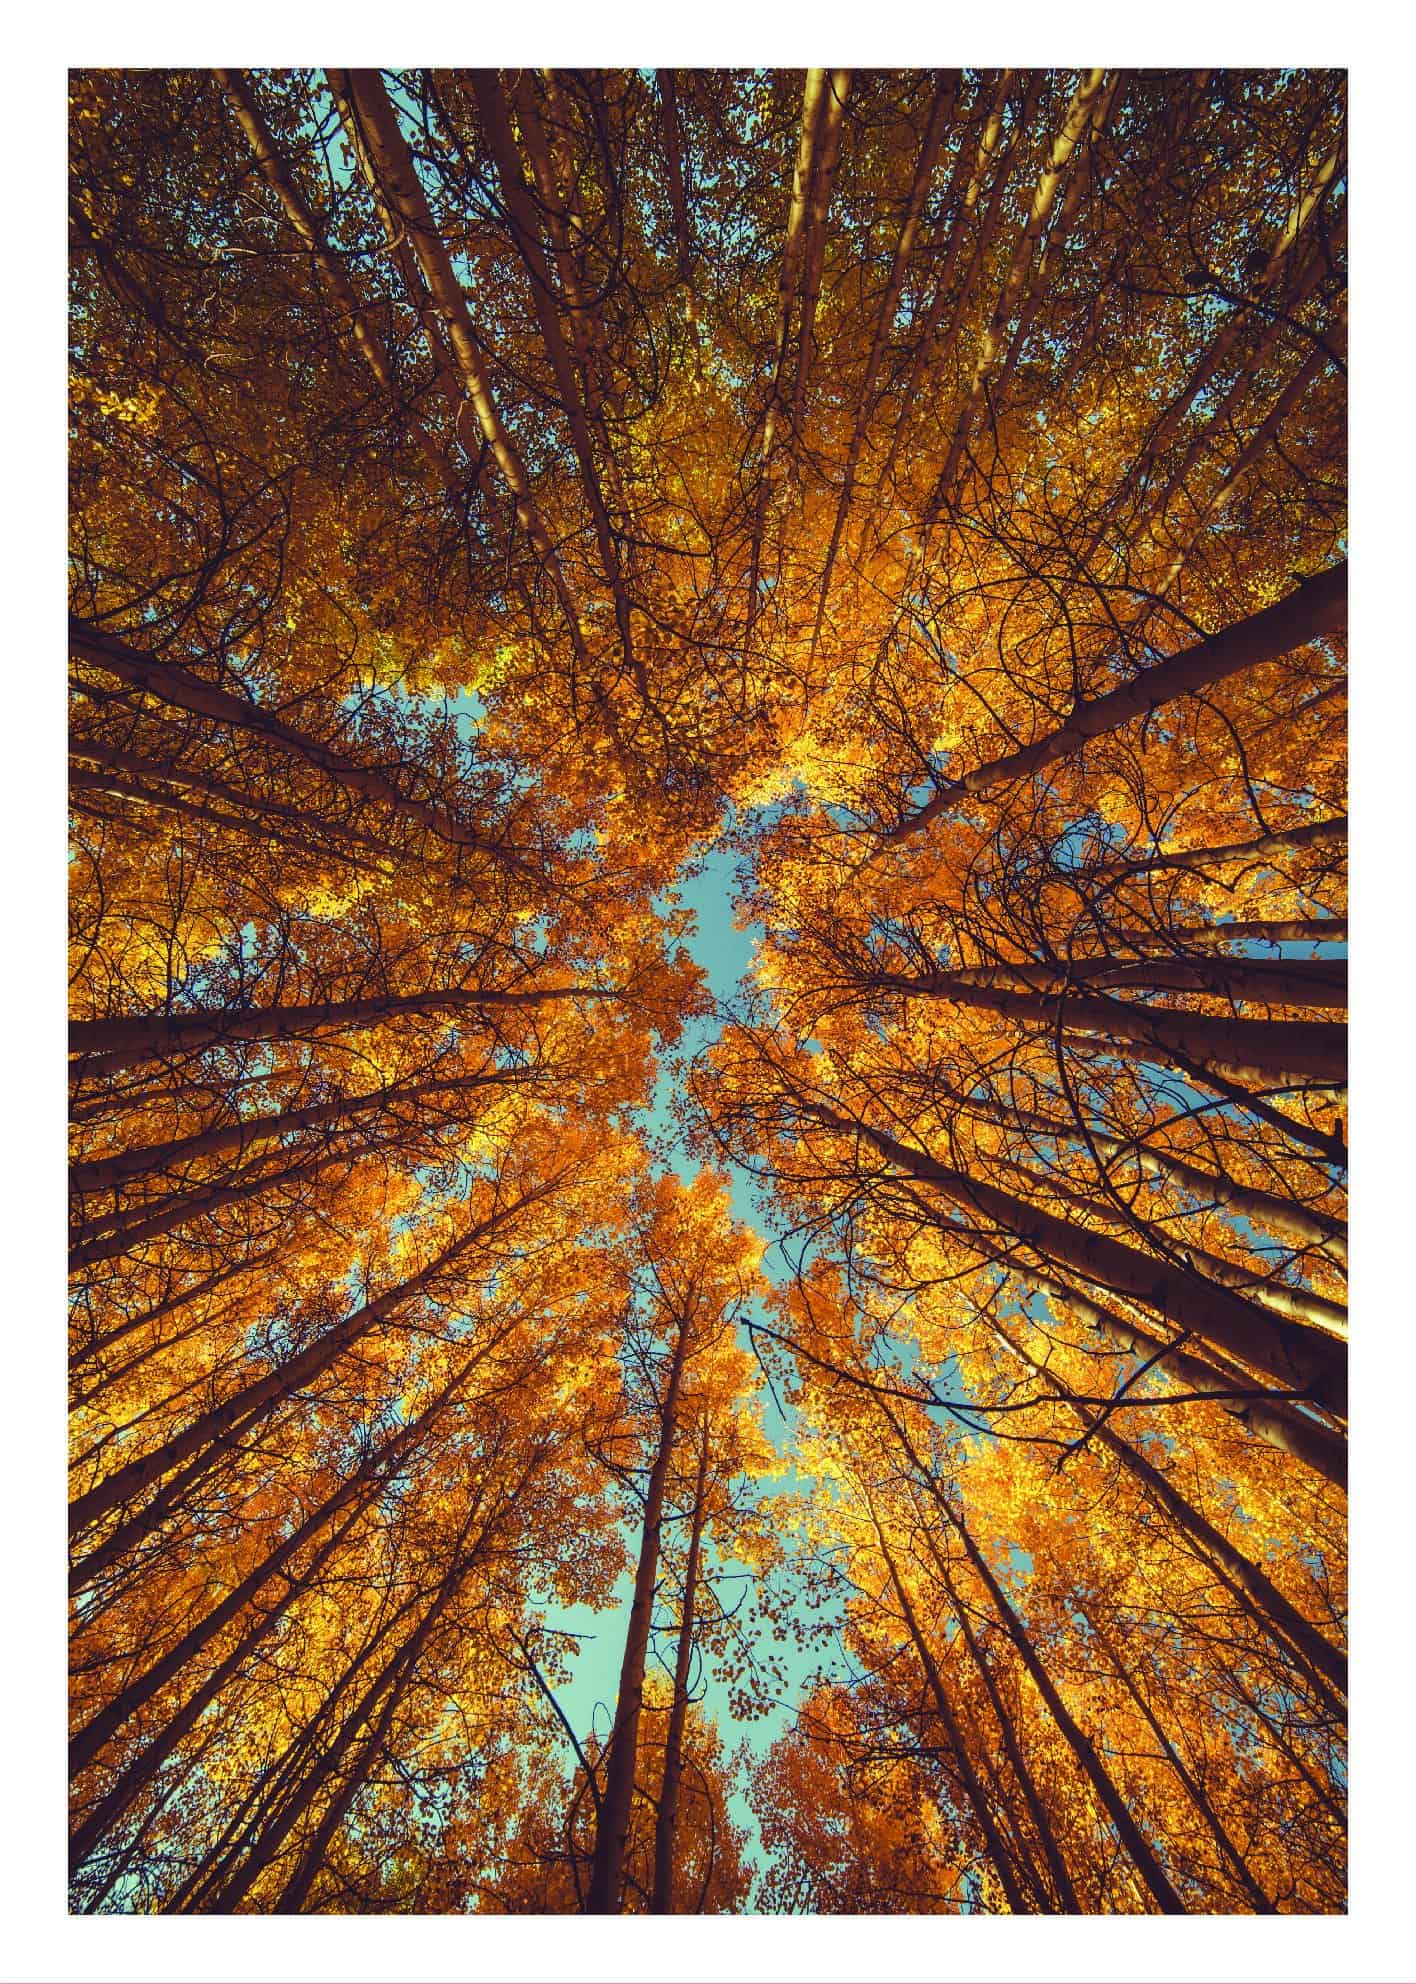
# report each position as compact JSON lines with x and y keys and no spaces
{"x":332,"y":271}
{"x":1237,"y":1863}
{"x":662,"y":1899}
{"x":1291,"y":1052}
{"x":1260,"y":1596}
{"x":617,"y":1800}
{"x":395,"y":179}
{"x":170,"y":683}
{"x":1135,"y":1842}
{"x":105,"y":1046}
{"x":1293,"y":1355}
{"x":978,"y":1797}
{"x":1286,"y":840}
{"x":108,"y":1173}
{"x":1273,"y":1420}
{"x":1042,"y":1824}
{"x":1315,"y":983}
{"x":261,"y":1393}
{"x":1316,"y":608}
{"x":1301,"y":1224}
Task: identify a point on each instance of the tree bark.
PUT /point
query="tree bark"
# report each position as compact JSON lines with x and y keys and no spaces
{"x":332,"y":271}
{"x":105,"y":1046}
{"x":1258,"y":1593}
{"x":1042,"y":1823}
{"x":1315,"y":608}
{"x":1135,"y":1842}
{"x":1287,"y":840}
{"x":1293,"y":1355}
{"x":396,"y":180}
{"x":978,"y":1797}
{"x":662,"y":1899}
{"x":170,"y":683}
{"x":1275,"y":1421}
{"x":1238,"y":1865}
{"x":617,"y":1800}
{"x":235,"y":1139}
{"x":257,"y":1397}
{"x":1291,"y":1052}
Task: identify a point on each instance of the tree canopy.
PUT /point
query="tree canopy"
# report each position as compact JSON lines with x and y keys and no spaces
{"x":499,"y":500}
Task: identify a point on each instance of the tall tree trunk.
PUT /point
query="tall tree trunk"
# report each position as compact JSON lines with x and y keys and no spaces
{"x":1303,"y":1225}
{"x":945,"y":95}
{"x":102,"y":1047}
{"x":1291,"y":1354}
{"x":1042,"y":1823}
{"x":1315,"y":608}
{"x":1284,"y":840}
{"x":1135,"y":1842}
{"x":1260,"y":1596}
{"x":1316,"y":983}
{"x":978,"y":1797}
{"x":332,"y":271}
{"x":1273,"y":1420}
{"x":170,"y":683}
{"x":357,"y":1490}
{"x":1237,"y":1863}
{"x":617,"y":1800}
{"x":661,"y":1901}
{"x":1293,"y":1052}
{"x":519,"y":205}
{"x":138,"y":1774}
{"x":395,"y":180}
{"x":108,"y":1239}
{"x":257,"y":1397}
{"x":108,"y":1173}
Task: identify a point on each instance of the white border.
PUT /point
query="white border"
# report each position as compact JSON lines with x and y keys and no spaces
{"x":1375,"y":1944}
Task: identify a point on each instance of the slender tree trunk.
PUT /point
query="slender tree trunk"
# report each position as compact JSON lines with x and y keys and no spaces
{"x":517,"y":200}
{"x":945,"y":95}
{"x":108,"y":1173}
{"x":108,"y":1239}
{"x":1291,"y":1354}
{"x":1277,"y":930}
{"x":1293,"y":1052}
{"x":261,"y":1393}
{"x":1238,"y":1865}
{"x":1275,"y":1421}
{"x":617,"y":1800}
{"x":1287,"y":840}
{"x":814,"y":90}
{"x":814,"y":254}
{"x":170,"y":683}
{"x":137,"y":1775}
{"x":1042,"y":1824}
{"x":387,"y":1689}
{"x":1260,"y":1596}
{"x":978,"y":1797}
{"x":332,"y":271}
{"x":1135,"y":1842}
{"x":105,"y":1046}
{"x":662,"y":1899}
{"x":1256,"y":1280}
{"x":395,"y":179}
{"x":1285,"y":1218}
{"x":1315,"y":983}
{"x":357,"y":1489}
{"x":1079,"y":116}
{"x":1315,"y":608}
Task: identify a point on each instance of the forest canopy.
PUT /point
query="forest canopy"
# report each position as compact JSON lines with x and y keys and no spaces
{"x":552,"y":1430}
